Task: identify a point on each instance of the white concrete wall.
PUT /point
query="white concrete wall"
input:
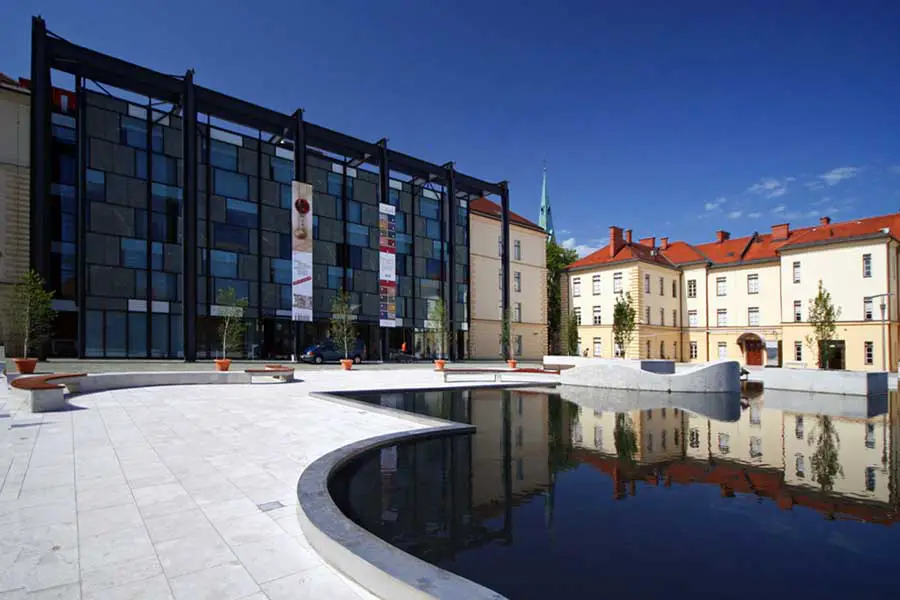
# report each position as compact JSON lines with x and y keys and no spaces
{"x":711,"y":378}
{"x":823,"y":382}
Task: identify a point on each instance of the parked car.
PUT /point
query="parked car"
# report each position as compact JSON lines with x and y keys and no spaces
{"x":331,"y":352}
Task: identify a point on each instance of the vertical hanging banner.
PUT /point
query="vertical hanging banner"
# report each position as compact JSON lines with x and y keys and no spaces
{"x":387,"y":264}
{"x":302,"y":252}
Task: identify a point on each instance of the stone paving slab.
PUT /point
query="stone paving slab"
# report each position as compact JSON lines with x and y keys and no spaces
{"x":155,"y":492}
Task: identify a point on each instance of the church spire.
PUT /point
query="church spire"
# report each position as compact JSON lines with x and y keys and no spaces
{"x":546,"y":217}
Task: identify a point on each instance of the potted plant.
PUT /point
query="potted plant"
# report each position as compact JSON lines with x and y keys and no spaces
{"x":505,"y":349}
{"x":231,"y":325}
{"x":32,"y":316}
{"x":342,"y":329}
{"x":438,"y":329}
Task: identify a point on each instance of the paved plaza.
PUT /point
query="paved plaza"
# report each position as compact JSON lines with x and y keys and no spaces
{"x":184,"y":492}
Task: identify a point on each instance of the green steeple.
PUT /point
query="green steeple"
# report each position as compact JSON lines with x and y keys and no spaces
{"x":546,"y":218}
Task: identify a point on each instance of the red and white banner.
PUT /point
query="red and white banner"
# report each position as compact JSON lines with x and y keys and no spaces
{"x":387,"y":264}
{"x":301,"y":252}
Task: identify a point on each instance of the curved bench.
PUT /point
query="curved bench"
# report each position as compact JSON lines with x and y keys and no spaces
{"x":43,"y":393}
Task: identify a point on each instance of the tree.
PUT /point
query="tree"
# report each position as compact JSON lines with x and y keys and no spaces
{"x":438,"y":326}
{"x":825,"y":463}
{"x":570,"y":337}
{"x":558,"y":258}
{"x":623,"y":323}
{"x":31,"y":311}
{"x":342,"y":329}
{"x":823,"y":316}
{"x":504,"y":336}
{"x":231,"y":323}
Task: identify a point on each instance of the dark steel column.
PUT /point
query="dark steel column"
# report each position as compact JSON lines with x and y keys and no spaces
{"x":189,"y":218}
{"x":504,"y":259}
{"x":299,"y":175}
{"x":81,"y":207}
{"x":450,"y":228}
{"x":384,"y":187}
{"x":41,"y":106}
{"x":507,"y":465}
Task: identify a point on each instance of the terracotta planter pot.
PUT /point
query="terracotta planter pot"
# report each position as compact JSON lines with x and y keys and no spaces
{"x":25,"y":366}
{"x":223,"y":364}
{"x":511,"y":364}
{"x":439,"y":364}
{"x":346,"y":364}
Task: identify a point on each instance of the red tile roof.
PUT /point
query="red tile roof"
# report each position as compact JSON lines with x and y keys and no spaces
{"x":759,"y":246}
{"x":491,"y":209}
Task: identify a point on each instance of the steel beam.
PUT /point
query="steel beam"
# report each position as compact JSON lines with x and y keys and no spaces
{"x":298,"y":128}
{"x":81,"y":207}
{"x":450,"y":237}
{"x":189,"y":217}
{"x":41,"y":101}
{"x":504,"y":237}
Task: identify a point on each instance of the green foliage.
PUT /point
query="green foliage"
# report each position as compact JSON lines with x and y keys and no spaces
{"x":504,"y":337}
{"x":558,"y":258}
{"x":232,"y":325}
{"x":342,"y":329}
{"x":623,"y":323}
{"x":570,"y":334}
{"x":825,"y":465}
{"x":438,"y":327}
{"x":625,"y":439}
{"x":31,"y":313}
{"x":822,"y":318}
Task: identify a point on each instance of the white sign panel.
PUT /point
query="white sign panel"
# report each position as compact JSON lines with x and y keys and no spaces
{"x":301,"y":252}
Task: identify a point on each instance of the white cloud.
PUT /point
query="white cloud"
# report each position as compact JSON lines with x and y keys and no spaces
{"x":581,"y":249}
{"x":769,"y":187}
{"x":754,"y":215}
{"x":735,"y":214}
{"x":779,"y":209}
{"x":821,"y":201}
{"x":835,"y":176}
{"x":715,"y":204}
{"x":812,"y":213}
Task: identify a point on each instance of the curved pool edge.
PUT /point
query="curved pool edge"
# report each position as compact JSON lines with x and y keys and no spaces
{"x":377,"y":566}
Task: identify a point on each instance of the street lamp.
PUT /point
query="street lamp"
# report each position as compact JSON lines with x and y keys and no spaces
{"x":884,"y":298}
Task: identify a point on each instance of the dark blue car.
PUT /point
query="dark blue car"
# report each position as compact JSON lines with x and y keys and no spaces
{"x":331,"y":352}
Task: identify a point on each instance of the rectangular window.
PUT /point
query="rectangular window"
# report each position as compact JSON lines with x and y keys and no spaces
{"x":242,"y":214}
{"x":722,"y":317}
{"x":357,"y":235}
{"x":597,"y":316}
{"x":517,"y":312}
{"x":519,"y":353}
{"x":595,"y":282}
{"x":231,"y":185}
{"x":576,"y":287}
{"x":164,"y":170}
{"x":692,"y":318}
{"x":517,"y":250}
{"x":674,"y":288}
{"x":229,"y":237}
{"x":647,"y":315}
{"x":870,"y":479}
{"x":724,"y":443}
{"x":753,"y":316}
{"x":755,"y":447}
{"x":517,"y":281}
{"x":223,"y":264}
{"x":433,"y":269}
{"x":798,"y":351}
{"x":432,"y":229}
{"x":132,"y":132}
{"x":722,"y":348}
{"x":674,"y":318}
{"x":694,"y":437}
{"x":115,"y":334}
{"x":165,"y":286}
{"x":617,"y":283}
{"x":867,"y":265}
{"x":662,"y":287}
{"x":798,"y":311}
{"x":133,"y":253}
{"x":335,"y":278}
{"x":753,"y":284}
{"x":646,"y":284}
{"x":662,"y":316}
{"x":137,"y":334}
{"x":870,"y":436}
{"x":693,"y":350}
{"x":869,"y":353}
{"x":692,"y":288}
{"x":721,"y":289}
{"x":429,"y":208}
{"x":282,"y":169}
{"x":159,"y":336}
{"x":867,"y":309}
{"x":598,"y":346}
{"x":797,"y":272}
{"x":578,"y":315}
{"x":223,"y":155}
{"x":354,"y":211}
{"x":500,"y":246}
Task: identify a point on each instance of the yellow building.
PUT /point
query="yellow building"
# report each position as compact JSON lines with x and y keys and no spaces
{"x":528,"y":281}
{"x":748,"y":298}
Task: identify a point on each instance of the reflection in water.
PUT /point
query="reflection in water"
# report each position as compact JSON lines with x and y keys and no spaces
{"x":521,"y":504}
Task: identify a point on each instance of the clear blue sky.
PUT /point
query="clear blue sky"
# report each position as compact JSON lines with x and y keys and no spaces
{"x":672,"y":118}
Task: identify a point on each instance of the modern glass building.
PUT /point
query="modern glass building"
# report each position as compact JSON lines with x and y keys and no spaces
{"x":151,"y":195}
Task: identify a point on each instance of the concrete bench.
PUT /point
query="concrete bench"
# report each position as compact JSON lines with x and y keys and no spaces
{"x":43,"y":393}
{"x":497,"y":375}
{"x":284,"y":374}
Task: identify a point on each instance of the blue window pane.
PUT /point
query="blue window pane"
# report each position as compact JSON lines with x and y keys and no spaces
{"x":432,"y":269}
{"x":160,"y":229}
{"x":64,"y":169}
{"x":394,"y":197}
{"x":334,"y":184}
{"x":354,"y":212}
{"x":156,"y":256}
{"x":432,"y":229}
{"x":137,"y":334}
{"x":233,"y":185}
{"x":115,"y":334}
{"x":134,"y":253}
{"x":282,"y":169}
{"x":315,"y":227}
{"x":140,"y":223}
{"x":165,"y":197}
{"x":355,"y":258}
{"x":404,"y":243}
{"x":94,"y":333}
{"x":284,"y":245}
{"x":239,"y":213}
{"x":223,"y":154}
{"x":95,"y":190}
{"x":284,"y":297}
{"x":140,"y":284}
{"x":335,"y":278}
{"x":401,"y":266}
{"x":241,"y":288}
{"x":159,"y":339}
{"x":429,"y":208}
{"x":400,"y":220}
{"x":286,"y":200}
{"x":229,"y":237}
{"x":164,"y":286}
{"x":281,"y":271}
{"x":223,"y":264}
{"x":349,"y":190}
{"x":462,"y":291}
{"x":157,"y":138}
{"x":176,"y":336}
{"x":140,"y":164}
{"x":165,"y":169}
{"x":357,"y":235}
{"x":68,"y":225}
{"x":133,"y":132}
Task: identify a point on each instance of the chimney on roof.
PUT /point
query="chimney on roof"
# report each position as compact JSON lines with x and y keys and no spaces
{"x":650,"y":242}
{"x":825,"y":221}
{"x":781,"y":231}
{"x":721,"y":236}
{"x":615,"y":240}
{"x":627,"y":236}
{"x":664,"y":243}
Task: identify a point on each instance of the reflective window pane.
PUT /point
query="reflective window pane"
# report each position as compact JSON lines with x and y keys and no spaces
{"x":159,"y":336}
{"x":137,"y":334}
{"x":94,"y":330}
{"x":115,"y":334}
{"x":232,"y":185}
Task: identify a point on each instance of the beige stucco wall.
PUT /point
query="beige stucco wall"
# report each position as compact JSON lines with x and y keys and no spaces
{"x":14,"y":194}
{"x":606,"y":300}
{"x":738,"y":300}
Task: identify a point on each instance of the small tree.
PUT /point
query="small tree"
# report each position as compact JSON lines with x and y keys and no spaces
{"x":823,"y":316}
{"x":438,"y":328}
{"x":623,"y":323}
{"x":558,"y":258}
{"x":342,"y":329}
{"x":231,"y":323}
{"x":504,"y":336}
{"x":31,"y":311}
{"x":570,"y":339}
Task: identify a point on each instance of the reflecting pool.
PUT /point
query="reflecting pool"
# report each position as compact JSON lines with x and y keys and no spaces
{"x":613,"y":494}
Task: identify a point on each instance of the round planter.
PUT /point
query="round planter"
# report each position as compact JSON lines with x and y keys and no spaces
{"x":511,"y":364}
{"x":223,"y":364}
{"x":25,"y":366}
{"x":346,"y":364}
{"x":439,"y":364}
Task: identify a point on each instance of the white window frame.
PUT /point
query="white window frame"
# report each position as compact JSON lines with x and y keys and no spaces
{"x":517,"y":312}
{"x":798,"y":351}
{"x":753,"y":283}
{"x":693,"y":351}
{"x":617,"y":283}
{"x":798,"y":311}
{"x":868,"y":309}
{"x":693,"y":320}
{"x":869,"y":353}
{"x":662,"y":286}
{"x":692,"y":288}
{"x":598,"y":346}
{"x":721,"y":286}
{"x":577,"y":315}
{"x":518,"y":345}
{"x":662,"y":317}
{"x":500,"y":246}
{"x":597,"y":315}
{"x":596,"y":285}
{"x":722,"y":350}
{"x":796,"y":271}
{"x":867,"y":265}
{"x":674,"y":288}
{"x":517,"y":281}
{"x":674,"y":317}
{"x":576,"y":287}
{"x":753,"y":316}
{"x":517,"y":250}
{"x":646,"y":284}
{"x":646,"y":315}
{"x":722,"y":317}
